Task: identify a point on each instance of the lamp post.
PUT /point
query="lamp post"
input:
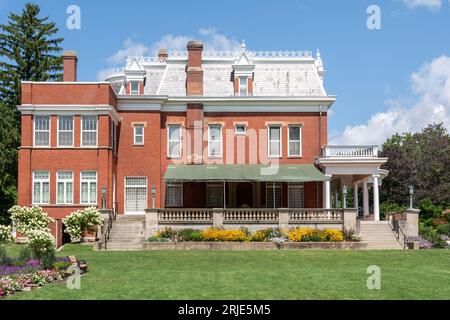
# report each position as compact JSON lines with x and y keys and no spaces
{"x":411,"y":193}
{"x":104,"y":198}
{"x":344,"y":197}
{"x":153,"y":196}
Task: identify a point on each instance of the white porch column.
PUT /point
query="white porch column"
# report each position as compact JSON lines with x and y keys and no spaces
{"x":376,"y":200}
{"x":355,"y":197}
{"x":326,"y":193}
{"x":365,"y":199}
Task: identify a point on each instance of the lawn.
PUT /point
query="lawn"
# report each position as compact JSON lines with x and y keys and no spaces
{"x":315,"y":274}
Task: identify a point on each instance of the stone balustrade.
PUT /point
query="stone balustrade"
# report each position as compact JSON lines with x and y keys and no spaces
{"x":253,"y":219}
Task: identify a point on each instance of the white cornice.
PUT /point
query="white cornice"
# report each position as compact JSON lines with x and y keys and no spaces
{"x":55,"y":109}
{"x":64,"y":82}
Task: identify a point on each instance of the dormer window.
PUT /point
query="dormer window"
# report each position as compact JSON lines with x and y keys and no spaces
{"x":134,"y":87}
{"x":243,"y":86}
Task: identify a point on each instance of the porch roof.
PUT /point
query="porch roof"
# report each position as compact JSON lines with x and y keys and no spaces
{"x":244,"y":172}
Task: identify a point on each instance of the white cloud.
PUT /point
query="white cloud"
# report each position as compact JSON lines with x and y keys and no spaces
{"x":431,"y":103}
{"x":211,"y":38}
{"x":433,"y":5}
{"x":130,"y":48}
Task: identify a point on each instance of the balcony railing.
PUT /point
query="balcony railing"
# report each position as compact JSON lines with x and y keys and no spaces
{"x":350,"y":152}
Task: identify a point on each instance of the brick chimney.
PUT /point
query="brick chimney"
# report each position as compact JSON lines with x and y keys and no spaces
{"x":70,"y":66}
{"x":194,"y":70}
{"x":162,"y":54}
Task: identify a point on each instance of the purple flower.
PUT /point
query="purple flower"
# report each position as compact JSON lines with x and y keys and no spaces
{"x":33,"y":263}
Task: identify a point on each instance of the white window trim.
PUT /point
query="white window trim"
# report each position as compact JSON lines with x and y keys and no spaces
{"x":246,"y":86}
{"x":280,"y":155}
{"x":41,"y":181}
{"x":89,"y":182}
{"x":180,"y":141}
{"x":207,"y":202}
{"x":300,"y":141}
{"x":296,"y":185}
{"x":240,"y":125}
{"x":134,"y":134}
{"x":125,"y":192}
{"x":81,"y":132}
{"x":221,"y":142}
{"x":65,"y":190}
{"x":57,"y":131}
{"x":131,"y":88}
{"x":278,"y":185}
{"x":177,"y":184}
{"x":49,"y":131}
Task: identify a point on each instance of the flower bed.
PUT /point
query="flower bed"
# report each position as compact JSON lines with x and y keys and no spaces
{"x":275,"y":235}
{"x":25,"y":273}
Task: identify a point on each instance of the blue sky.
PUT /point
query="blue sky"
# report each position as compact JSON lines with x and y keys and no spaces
{"x":393,"y":79}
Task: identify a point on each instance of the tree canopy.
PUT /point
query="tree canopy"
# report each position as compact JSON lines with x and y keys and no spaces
{"x":422,"y":160}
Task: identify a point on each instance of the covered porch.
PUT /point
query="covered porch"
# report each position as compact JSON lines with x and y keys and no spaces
{"x":353,"y":169}
{"x":243,"y":186}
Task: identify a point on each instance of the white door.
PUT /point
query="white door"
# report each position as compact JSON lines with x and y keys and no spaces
{"x":135,"y":195}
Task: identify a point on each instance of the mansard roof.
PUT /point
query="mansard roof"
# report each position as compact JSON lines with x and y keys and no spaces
{"x":275,"y":73}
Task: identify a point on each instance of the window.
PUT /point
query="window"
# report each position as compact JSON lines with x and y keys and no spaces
{"x":134,"y":87}
{"x":42,"y":131}
{"x":295,"y":137}
{"x":296,"y":195}
{"x":139,"y":134}
{"x":174,"y":195}
{"x":41,"y":187}
{"x":215,"y":141}
{"x":273,"y":195}
{"x":174,"y":141}
{"x":88,"y":189}
{"x":64,"y":183}
{"x":135,"y":194}
{"x":240,"y":129}
{"x":65,"y":131}
{"x":243,"y":86}
{"x":89,"y":131}
{"x":214,"y":195}
{"x":274,"y":141}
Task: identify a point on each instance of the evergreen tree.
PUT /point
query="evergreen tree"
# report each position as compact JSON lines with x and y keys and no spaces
{"x":29,"y":51}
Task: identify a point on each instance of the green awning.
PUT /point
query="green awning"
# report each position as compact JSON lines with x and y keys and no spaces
{"x":244,"y":172}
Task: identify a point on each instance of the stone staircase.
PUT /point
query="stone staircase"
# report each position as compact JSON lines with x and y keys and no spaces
{"x":378,"y":235}
{"x":127,"y":233}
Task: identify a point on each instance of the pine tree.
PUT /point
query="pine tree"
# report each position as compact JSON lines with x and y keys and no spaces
{"x":29,"y":51}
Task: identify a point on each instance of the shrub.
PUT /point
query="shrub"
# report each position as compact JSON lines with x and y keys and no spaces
{"x":25,"y":253}
{"x":443,"y":229}
{"x":48,"y":259}
{"x":350,"y":235}
{"x":61,"y":265}
{"x":427,"y":233}
{"x":260,"y":236}
{"x":82,"y":221}
{"x":268,"y":235}
{"x":167,"y":233}
{"x":315,"y":235}
{"x":5,"y":234}
{"x":26,"y":219}
{"x":428,"y":210}
{"x":40,"y":242}
{"x":213,"y":234}
{"x":2,"y":251}
{"x":189,"y":235}
{"x":388,"y":207}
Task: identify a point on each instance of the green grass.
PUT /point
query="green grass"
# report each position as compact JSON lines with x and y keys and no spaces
{"x":315,"y":274}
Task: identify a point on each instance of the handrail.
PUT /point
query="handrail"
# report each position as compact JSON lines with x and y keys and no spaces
{"x":107,"y":231}
{"x":395,"y":227}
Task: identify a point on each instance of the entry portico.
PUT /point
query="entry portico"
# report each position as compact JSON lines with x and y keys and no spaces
{"x":352,"y":166}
